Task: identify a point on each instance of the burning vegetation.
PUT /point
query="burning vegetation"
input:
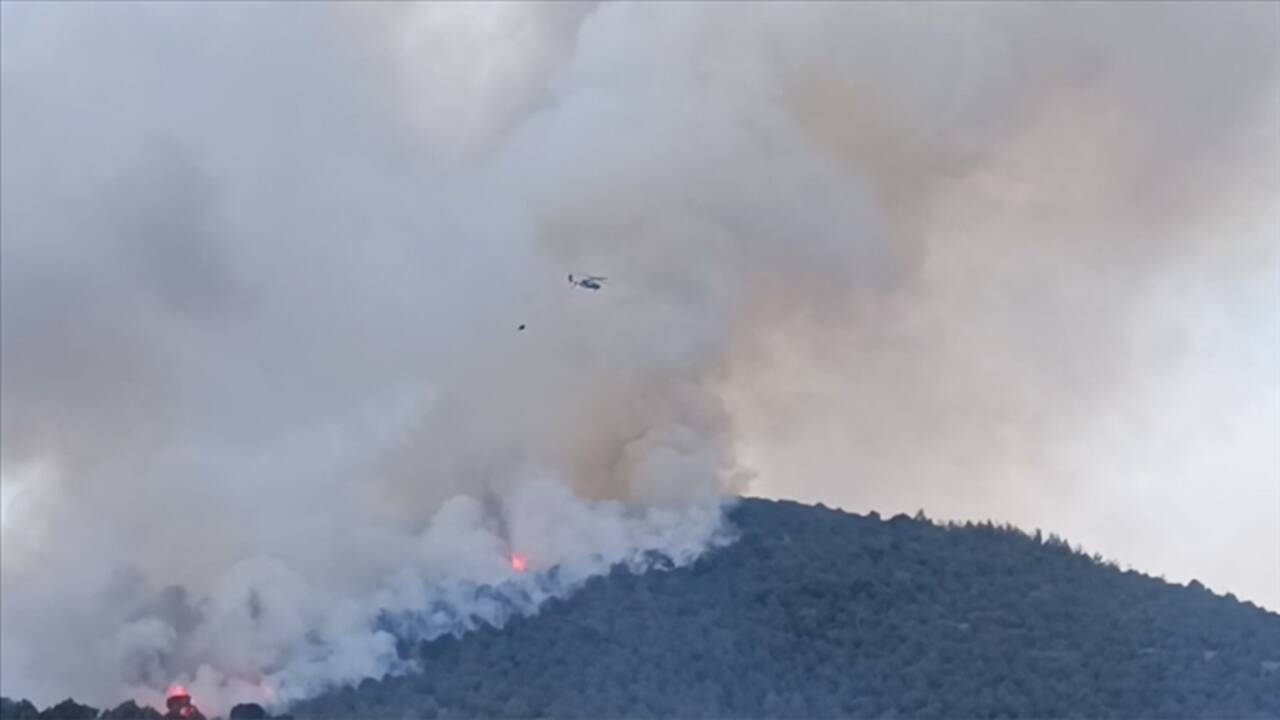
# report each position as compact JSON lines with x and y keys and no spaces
{"x":818,"y":613}
{"x":518,"y":562}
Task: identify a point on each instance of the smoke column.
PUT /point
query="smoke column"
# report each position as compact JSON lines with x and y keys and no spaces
{"x":263,"y":265}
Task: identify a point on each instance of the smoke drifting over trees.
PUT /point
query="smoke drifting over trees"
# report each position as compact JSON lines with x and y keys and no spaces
{"x":819,"y":613}
{"x":261,"y":266}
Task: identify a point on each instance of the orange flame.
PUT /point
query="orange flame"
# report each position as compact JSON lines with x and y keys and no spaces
{"x":518,"y":562}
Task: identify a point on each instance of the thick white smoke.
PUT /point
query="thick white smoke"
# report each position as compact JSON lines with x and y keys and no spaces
{"x":263,"y":267}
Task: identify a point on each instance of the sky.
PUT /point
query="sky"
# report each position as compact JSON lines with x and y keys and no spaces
{"x":262,"y":268}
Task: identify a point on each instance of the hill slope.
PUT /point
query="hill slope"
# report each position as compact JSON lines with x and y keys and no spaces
{"x":819,"y":613}
{"x":816,"y":613}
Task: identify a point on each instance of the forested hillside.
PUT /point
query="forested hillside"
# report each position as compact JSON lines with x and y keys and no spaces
{"x":819,"y":613}
{"x":815,"y":613}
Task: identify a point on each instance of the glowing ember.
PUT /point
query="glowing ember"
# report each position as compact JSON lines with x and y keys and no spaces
{"x":518,"y":562}
{"x":177,"y":691}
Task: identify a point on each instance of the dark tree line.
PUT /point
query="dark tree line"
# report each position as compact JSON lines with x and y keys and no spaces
{"x":71,"y":710}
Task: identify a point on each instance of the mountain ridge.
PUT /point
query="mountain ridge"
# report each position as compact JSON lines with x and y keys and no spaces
{"x":816,"y":612}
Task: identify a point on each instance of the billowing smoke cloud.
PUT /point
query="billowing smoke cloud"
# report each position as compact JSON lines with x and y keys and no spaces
{"x":263,"y":266}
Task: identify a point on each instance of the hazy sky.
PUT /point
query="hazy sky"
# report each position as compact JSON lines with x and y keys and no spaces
{"x":261,"y":267}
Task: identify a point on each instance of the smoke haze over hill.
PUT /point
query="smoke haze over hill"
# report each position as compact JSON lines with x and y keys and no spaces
{"x":262,"y":267}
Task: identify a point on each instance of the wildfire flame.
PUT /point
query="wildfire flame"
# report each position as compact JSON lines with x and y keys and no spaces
{"x":518,"y":562}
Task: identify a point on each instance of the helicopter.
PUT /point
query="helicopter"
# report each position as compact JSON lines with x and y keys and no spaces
{"x":590,"y":282}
